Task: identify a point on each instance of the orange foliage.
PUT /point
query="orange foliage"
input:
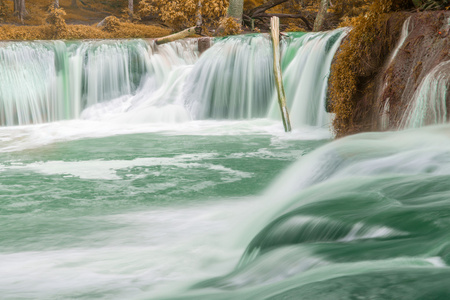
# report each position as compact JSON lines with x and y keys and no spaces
{"x":3,"y":10}
{"x":351,"y":60}
{"x":55,"y":18}
{"x":77,"y":32}
{"x":183,"y":13}
{"x":228,"y":26}
{"x":52,"y":24}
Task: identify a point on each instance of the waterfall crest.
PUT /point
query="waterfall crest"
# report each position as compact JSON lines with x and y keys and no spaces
{"x":136,"y":81}
{"x":305,"y":77}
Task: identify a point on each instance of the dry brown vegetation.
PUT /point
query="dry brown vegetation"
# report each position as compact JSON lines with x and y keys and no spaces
{"x":161,"y":17}
{"x":45,"y":22}
{"x":165,"y":16}
{"x":181,"y":14}
{"x":355,"y":60}
{"x":60,"y":30}
{"x":76,"y":32}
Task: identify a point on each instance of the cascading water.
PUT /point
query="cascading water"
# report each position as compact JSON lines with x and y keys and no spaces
{"x":112,"y":210}
{"x":32,"y":83}
{"x":50,"y":81}
{"x":412,"y":88}
{"x":430,"y":101}
{"x":137,"y":82}
{"x":233,"y":79}
{"x":307,"y":62}
{"x":366,"y":207}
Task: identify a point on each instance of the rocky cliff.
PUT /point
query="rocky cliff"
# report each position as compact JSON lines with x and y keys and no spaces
{"x":404,"y":82}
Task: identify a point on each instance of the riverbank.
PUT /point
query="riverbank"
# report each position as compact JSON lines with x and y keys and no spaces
{"x":123,"y":30}
{"x":74,"y":23}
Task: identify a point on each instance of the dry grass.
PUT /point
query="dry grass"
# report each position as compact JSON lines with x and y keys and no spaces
{"x":77,"y":32}
{"x":91,"y":13}
{"x":43,"y":23}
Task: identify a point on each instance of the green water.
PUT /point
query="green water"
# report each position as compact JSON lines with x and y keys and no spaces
{"x":129,"y":215}
{"x":223,"y":210}
{"x":150,"y":196}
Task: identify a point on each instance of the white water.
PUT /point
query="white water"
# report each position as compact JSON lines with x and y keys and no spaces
{"x":162,"y":250}
{"x":429,"y":103}
{"x":428,"y":106}
{"x":49,"y":81}
{"x":138,"y":82}
{"x":350,"y":162}
{"x":305,"y":78}
{"x":139,"y":256}
{"x":17,"y":138}
{"x":404,"y":35}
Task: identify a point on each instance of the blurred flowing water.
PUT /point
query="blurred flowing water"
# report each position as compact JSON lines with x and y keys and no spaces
{"x":130,"y":171}
{"x":135,"y":81}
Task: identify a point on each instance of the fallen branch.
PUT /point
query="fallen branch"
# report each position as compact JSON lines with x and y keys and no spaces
{"x":262,"y":8}
{"x":179,"y":35}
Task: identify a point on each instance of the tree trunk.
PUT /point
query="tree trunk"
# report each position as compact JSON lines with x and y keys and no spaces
{"x":19,"y":9}
{"x":130,"y":8}
{"x":74,"y":4}
{"x":199,"y":22}
{"x":275,"y":34}
{"x":320,"y":18}
{"x":56,"y":3}
{"x":236,"y":9}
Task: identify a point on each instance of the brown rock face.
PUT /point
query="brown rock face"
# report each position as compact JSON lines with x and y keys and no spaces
{"x":383,"y":98}
{"x":204,"y":44}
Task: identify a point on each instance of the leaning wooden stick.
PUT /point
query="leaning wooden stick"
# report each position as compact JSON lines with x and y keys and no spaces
{"x":275,"y":33}
{"x":179,"y":35}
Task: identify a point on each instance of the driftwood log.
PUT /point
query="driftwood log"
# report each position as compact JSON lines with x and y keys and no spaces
{"x":275,"y":34}
{"x":179,"y":35}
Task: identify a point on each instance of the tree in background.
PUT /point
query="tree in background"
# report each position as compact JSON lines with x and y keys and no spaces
{"x":130,"y":8}
{"x":74,"y":4}
{"x":180,"y":14}
{"x":236,"y":9}
{"x":19,"y":9}
{"x":3,"y":10}
{"x":55,"y":18}
{"x":321,"y":14}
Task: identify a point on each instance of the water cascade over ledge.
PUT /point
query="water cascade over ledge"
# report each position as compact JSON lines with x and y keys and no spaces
{"x":135,"y":81}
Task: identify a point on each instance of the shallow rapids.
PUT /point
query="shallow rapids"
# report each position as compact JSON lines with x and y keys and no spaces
{"x":207,"y":212}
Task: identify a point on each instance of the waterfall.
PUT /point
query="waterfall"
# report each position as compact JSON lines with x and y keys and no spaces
{"x":49,"y":81}
{"x":343,"y":208}
{"x":305,"y":77}
{"x":233,"y":79}
{"x":401,"y":41}
{"x":32,"y":83}
{"x":429,"y":103}
{"x":137,"y":81}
